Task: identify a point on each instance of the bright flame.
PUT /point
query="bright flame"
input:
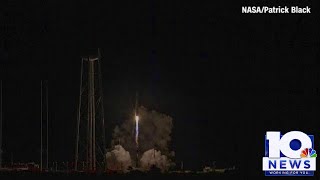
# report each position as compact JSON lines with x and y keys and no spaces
{"x":137,"y":129}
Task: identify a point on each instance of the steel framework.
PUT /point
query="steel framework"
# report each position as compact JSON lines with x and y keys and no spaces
{"x":90,"y":139}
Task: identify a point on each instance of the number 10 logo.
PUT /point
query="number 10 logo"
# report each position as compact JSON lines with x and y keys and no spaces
{"x":291,"y":154}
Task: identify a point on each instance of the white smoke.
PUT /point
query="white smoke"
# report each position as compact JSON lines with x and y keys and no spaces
{"x":153,"y":157}
{"x":118,"y":159}
{"x":154,"y":133}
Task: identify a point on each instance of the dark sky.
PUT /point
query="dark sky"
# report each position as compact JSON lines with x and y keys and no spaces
{"x":224,"y":77}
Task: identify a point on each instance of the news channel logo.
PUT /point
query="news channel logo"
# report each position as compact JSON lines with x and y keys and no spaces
{"x":291,"y":154}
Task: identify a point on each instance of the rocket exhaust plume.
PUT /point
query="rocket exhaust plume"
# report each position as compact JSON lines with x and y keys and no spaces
{"x":137,"y":121}
{"x":118,"y":159}
{"x":137,"y":130}
{"x":153,"y":157}
{"x":154,"y":132}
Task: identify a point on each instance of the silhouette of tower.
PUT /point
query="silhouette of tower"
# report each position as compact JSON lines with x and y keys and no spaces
{"x":43,"y":130}
{"x":90,"y":139}
{"x":1,"y":124}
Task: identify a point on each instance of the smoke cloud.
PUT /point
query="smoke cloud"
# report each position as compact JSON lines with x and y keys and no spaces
{"x":118,"y":159}
{"x":153,"y":157}
{"x":154,"y":133}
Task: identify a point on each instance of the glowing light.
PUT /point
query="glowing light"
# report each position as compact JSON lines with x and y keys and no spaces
{"x":137,"y":129}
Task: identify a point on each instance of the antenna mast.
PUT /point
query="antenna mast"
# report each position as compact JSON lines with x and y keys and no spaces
{"x":47,"y":106}
{"x":1,"y":124}
{"x":41,"y":131}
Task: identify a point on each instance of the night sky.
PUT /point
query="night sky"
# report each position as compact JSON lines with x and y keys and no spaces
{"x":224,"y":77}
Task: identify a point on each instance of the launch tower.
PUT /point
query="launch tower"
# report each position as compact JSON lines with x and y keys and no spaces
{"x":90,"y":138}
